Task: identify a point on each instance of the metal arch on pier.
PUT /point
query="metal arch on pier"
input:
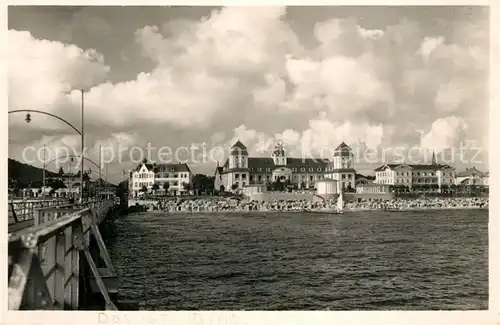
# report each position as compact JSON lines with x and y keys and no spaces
{"x":45,"y":259}
{"x":49,"y":114}
{"x":73,"y":156}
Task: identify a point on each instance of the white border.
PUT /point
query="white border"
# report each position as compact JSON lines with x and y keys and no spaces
{"x":492,"y":316}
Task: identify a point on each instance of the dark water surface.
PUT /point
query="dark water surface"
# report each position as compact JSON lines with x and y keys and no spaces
{"x":270,"y":261}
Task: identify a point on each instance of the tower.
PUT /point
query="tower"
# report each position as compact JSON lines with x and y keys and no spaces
{"x":279,"y":157}
{"x":343,"y":157}
{"x":239,"y":156}
{"x":434,"y":158}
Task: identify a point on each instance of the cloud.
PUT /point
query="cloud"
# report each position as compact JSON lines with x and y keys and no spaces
{"x":445,"y":133}
{"x":246,"y":73}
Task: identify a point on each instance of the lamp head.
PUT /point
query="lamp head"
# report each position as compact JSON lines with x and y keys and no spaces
{"x":28,"y":118}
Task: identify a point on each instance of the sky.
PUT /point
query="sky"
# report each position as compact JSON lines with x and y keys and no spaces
{"x":385,"y":79}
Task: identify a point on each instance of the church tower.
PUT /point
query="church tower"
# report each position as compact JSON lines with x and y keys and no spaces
{"x":343,"y":157}
{"x":239,"y":156}
{"x":279,"y":157}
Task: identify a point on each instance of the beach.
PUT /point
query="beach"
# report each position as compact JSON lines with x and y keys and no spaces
{"x":217,"y":204}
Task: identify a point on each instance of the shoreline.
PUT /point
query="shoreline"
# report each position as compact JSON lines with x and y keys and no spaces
{"x":346,"y":211}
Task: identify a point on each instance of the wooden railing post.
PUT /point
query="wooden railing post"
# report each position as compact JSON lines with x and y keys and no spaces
{"x":77,"y":240}
{"x":60,"y":272}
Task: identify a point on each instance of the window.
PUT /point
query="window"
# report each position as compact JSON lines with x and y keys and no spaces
{"x":259,"y":169}
{"x":310,"y":178}
{"x":268,"y":169}
{"x":251,"y":169}
{"x":237,"y":176}
{"x":311,"y":169}
{"x":302,"y":169}
{"x":260,"y":178}
{"x":319,"y":169}
{"x":294,"y":169}
{"x":243,"y":176}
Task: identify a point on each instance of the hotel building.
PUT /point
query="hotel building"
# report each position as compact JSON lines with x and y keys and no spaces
{"x":416,"y":175}
{"x":240,"y":170}
{"x":148,"y":174}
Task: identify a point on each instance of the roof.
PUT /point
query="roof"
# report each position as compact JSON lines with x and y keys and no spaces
{"x":239,"y":145}
{"x":342,"y":146}
{"x":218,"y":170}
{"x":370,"y":177}
{"x":413,"y":166}
{"x":343,"y":150}
{"x":267,"y":162}
{"x":175,"y":168}
{"x":468,"y":172}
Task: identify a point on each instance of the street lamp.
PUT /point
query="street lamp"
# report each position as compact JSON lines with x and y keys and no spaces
{"x":80,"y":132}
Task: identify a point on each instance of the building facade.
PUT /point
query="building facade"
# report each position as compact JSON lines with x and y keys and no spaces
{"x":240,"y":170}
{"x":341,"y":168}
{"x":145,"y":175}
{"x":472,"y":176}
{"x":432,"y":176}
{"x":69,"y":180}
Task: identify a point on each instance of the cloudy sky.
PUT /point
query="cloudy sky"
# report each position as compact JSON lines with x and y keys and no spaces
{"x":378,"y":78}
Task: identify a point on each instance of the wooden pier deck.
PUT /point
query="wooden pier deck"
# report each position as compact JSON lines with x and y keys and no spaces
{"x":58,"y":259}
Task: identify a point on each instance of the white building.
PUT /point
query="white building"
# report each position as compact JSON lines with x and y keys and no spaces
{"x":341,"y":168}
{"x":240,"y":170}
{"x":472,"y":176}
{"x":145,"y":175}
{"x":416,"y":175}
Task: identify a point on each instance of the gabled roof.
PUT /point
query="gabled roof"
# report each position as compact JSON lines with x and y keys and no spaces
{"x":342,"y":146}
{"x":218,"y":170}
{"x":385,"y":166}
{"x":148,"y":166}
{"x":239,"y":145}
{"x":468,"y":172}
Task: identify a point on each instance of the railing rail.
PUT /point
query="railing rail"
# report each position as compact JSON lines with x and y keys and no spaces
{"x":44,"y":259}
{"x":22,"y":210}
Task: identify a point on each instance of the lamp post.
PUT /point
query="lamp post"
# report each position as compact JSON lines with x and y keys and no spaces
{"x":80,"y":132}
{"x":43,"y":173}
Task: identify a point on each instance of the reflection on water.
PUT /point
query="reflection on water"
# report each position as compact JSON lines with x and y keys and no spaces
{"x":258,"y":261}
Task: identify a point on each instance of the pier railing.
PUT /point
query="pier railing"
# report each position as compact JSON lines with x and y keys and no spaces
{"x":22,"y":210}
{"x":44,"y":259}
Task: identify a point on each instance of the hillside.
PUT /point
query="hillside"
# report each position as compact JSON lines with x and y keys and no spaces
{"x":23,"y":174}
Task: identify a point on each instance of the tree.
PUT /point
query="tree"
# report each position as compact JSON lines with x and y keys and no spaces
{"x":144,"y":189}
{"x":303,"y":185}
{"x":187,"y":186}
{"x":155,"y":187}
{"x":234,"y":187}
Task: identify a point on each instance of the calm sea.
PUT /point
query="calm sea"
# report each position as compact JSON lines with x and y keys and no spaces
{"x":293,"y":261}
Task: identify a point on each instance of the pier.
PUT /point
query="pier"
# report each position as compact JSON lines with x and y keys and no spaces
{"x":58,"y":259}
